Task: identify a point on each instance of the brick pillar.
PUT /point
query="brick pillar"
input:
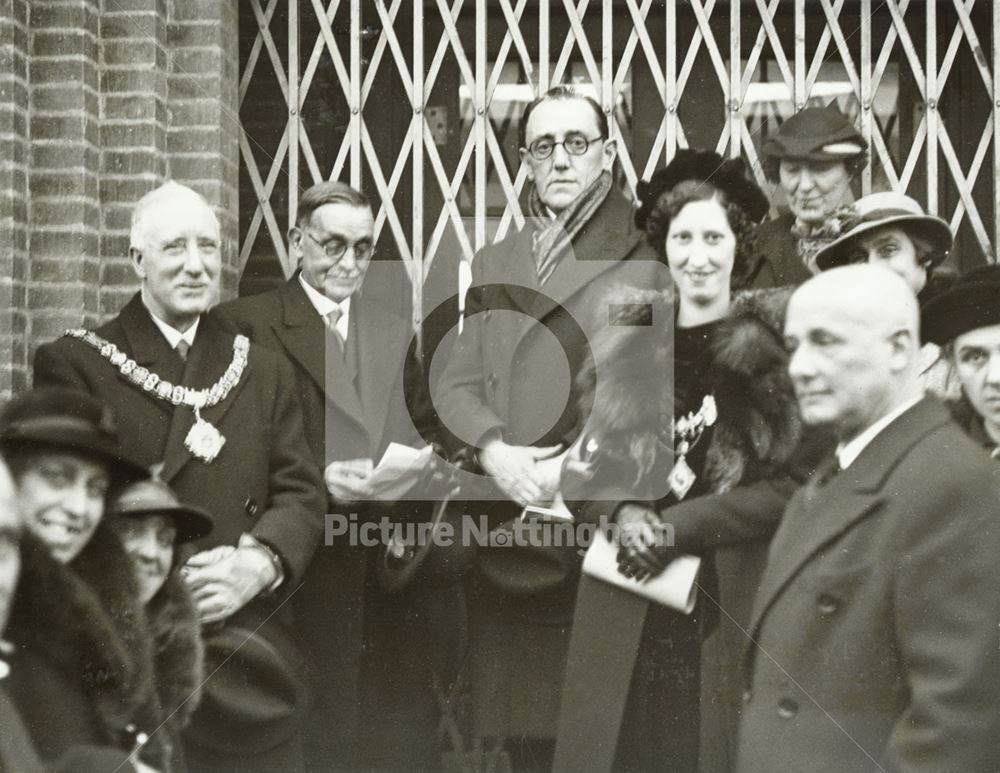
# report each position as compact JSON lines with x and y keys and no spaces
{"x":13,"y":194}
{"x":99,"y":103}
{"x":133,"y":132}
{"x":64,"y":247}
{"x":203,"y":138}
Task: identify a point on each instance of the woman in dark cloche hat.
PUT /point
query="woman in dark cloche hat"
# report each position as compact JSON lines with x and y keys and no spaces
{"x":82,"y":675}
{"x":965,"y":321}
{"x":651,"y":455}
{"x":813,"y":158}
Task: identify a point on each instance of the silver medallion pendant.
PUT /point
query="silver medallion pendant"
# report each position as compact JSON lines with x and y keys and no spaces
{"x":204,"y":441}
{"x":681,"y":478}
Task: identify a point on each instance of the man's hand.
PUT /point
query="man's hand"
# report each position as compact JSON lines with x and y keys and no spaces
{"x":549,"y":473}
{"x":643,"y":553}
{"x":223,"y":583}
{"x":347,"y":481}
{"x":516,"y":470}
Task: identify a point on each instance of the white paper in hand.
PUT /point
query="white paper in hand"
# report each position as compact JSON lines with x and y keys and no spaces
{"x":397,"y":470}
{"x":674,"y":587}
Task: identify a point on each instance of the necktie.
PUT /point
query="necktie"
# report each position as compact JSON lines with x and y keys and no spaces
{"x":182,"y":349}
{"x":332,"y":318}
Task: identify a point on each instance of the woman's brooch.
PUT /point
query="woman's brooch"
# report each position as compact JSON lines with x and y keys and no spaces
{"x":687,"y":431}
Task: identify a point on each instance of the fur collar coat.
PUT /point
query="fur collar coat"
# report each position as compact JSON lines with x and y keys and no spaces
{"x":91,"y":669}
{"x":758,"y":426}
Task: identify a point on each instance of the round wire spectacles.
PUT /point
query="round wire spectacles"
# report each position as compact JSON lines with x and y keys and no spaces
{"x":335,"y":248}
{"x":574,"y":144}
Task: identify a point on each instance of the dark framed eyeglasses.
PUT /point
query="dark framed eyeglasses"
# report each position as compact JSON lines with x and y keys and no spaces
{"x":335,"y":248}
{"x":574,"y":144}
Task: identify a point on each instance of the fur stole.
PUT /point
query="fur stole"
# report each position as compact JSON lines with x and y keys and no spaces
{"x":86,"y":619}
{"x":179,"y":652}
{"x":758,"y":424}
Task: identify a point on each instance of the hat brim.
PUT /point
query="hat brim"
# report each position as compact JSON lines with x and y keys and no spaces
{"x":257,"y":697}
{"x":190,"y":522}
{"x":122,"y":469}
{"x":933,"y":229}
{"x":813,"y":155}
{"x":959,"y":310}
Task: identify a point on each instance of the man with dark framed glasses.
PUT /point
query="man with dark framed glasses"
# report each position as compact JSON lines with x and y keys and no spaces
{"x":348,"y":353}
{"x":575,"y":144}
{"x":508,"y":392}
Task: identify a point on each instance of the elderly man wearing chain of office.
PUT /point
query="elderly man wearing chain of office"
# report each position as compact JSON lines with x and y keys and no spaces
{"x":218,"y":415}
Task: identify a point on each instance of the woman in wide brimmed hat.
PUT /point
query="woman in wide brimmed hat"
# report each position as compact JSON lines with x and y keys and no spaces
{"x":154,"y":526}
{"x":892,"y":230}
{"x":965,"y":321}
{"x":730,"y":424}
{"x":813,"y":158}
{"x":888,"y":229}
{"x":82,"y":675}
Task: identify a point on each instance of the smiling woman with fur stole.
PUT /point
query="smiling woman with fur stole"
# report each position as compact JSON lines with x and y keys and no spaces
{"x":709,"y":459}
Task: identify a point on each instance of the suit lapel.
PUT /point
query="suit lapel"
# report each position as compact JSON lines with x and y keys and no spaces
{"x":302,"y":332}
{"x":208,"y":359}
{"x":139,"y":338}
{"x":145,"y":344}
{"x":381,"y":347}
{"x":818,"y":515}
{"x":513,"y":268}
{"x":600,"y":245}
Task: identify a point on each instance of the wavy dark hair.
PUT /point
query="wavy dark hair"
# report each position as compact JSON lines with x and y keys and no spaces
{"x":669,"y":204}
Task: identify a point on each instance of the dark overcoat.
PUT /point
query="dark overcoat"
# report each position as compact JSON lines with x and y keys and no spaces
{"x":82,"y":674}
{"x":775,"y":256}
{"x":875,"y":630}
{"x":511,"y":371}
{"x":354,"y":407}
{"x":17,"y":752}
{"x":264,"y":481}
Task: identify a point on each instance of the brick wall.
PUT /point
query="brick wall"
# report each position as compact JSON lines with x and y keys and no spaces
{"x":100,"y":101}
{"x":13,"y":193}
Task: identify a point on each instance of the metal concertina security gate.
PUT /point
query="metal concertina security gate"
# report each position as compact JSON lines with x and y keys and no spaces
{"x":755,"y":60}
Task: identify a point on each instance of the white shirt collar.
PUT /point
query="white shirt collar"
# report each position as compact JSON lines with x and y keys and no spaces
{"x":848,"y":452}
{"x":172,"y":335}
{"x":324,"y":306}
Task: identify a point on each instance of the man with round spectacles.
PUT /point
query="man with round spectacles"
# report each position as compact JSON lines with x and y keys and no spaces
{"x":537,"y":297}
{"x":349,"y":353}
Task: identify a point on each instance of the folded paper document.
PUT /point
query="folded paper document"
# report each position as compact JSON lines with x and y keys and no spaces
{"x":397,"y":470}
{"x":674,"y":587}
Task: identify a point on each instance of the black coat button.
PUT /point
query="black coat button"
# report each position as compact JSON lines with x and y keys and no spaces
{"x":491,"y":382}
{"x":787,"y":708}
{"x":250,"y":505}
{"x":827,"y":604}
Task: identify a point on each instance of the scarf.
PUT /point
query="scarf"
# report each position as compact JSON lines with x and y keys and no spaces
{"x":551,"y":240}
{"x":809,"y":240}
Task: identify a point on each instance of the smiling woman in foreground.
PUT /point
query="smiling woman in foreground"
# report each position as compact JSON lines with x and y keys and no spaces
{"x":82,"y":674}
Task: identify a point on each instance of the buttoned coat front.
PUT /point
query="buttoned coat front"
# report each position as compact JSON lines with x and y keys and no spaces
{"x":512,"y":367}
{"x":874,"y":634}
{"x":263,"y":482}
{"x":354,"y":407}
{"x":511,"y":371}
